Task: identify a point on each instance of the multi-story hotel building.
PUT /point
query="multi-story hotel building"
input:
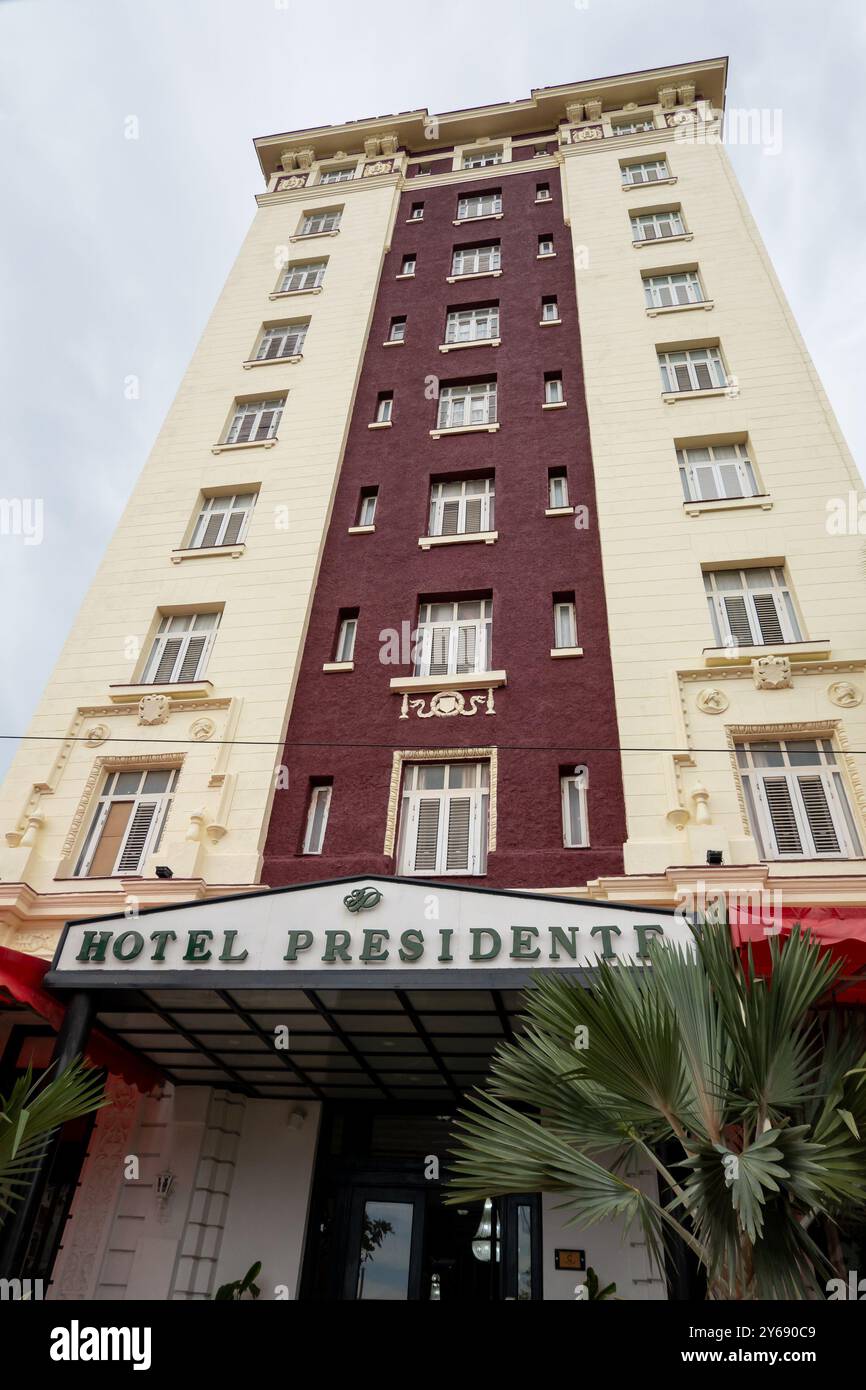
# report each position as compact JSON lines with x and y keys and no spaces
{"x":492,"y":543}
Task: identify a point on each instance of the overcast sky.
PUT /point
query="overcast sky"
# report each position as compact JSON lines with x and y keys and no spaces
{"x":114,"y":250}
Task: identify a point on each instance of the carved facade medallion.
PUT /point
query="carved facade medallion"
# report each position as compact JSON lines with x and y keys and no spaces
{"x":712,"y":701}
{"x":447,"y":703}
{"x":202,"y":729}
{"x":772,"y":672}
{"x":587,"y":132}
{"x":96,"y":734}
{"x":382,"y":166}
{"x":844,"y":694}
{"x":153,"y":709}
{"x":292,"y":181}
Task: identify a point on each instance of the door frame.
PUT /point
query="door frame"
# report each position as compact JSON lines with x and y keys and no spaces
{"x":361,"y":1193}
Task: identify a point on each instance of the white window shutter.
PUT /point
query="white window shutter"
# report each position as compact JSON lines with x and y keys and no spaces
{"x":166,"y":664}
{"x":819,"y":815}
{"x":427,"y":838}
{"x":474,"y":506}
{"x":737,"y":615}
{"x":137,"y":836}
{"x":233,"y":528}
{"x":450,"y":517}
{"x":783,"y":816}
{"x":459,"y":833}
{"x":212,"y":529}
{"x":189,"y":666}
{"x":768,"y":618}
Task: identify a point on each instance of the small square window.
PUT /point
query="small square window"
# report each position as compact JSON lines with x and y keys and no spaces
{"x":542,"y":192}
{"x":416,"y":213}
{"x":407,"y":266}
{"x":557,"y":488}
{"x":385,"y":408}
{"x":549,"y":310}
{"x":545,"y":246}
{"x":397,"y":330}
{"x":367,"y":506}
{"x":553,"y":389}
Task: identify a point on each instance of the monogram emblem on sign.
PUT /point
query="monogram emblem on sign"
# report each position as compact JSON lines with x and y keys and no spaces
{"x":362,"y":899}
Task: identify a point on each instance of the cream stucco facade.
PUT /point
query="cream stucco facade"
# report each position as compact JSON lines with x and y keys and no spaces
{"x":223,"y":729}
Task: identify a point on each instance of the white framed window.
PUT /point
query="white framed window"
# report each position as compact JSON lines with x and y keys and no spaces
{"x":367,"y":507}
{"x":416,"y":213}
{"x":545,"y":246}
{"x":542,"y":192}
{"x":180,"y":649}
{"x":407,"y":266}
{"x":128,"y":822}
{"x":553,"y":390}
{"x":344,"y":174}
{"x":715,"y":471}
{"x":222,"y":520}
{"x":645,"y":171}
{"x":692,"y":369}
{"x":469,"y":325}
{"x":564,"y":623}
{"x":345,"y":649}
{"x":797,"y":800}
{"x":655,"y":226}
{"x":575,"y":823}
{"x":255,"y":420}
{"x":444,"y":818}
{"x":549,"y":310}
{"x":663,"y":290}
{"x":384,"y":409}
{"x":461,"y":507}
{"x":632,"y":125}
{"x":323,"y":220}
{"x":557,"y":488}
{"x":454,"y":638}
{"x":303,"y":275}
{"x":476,"y":260}
{"x":397,"y":331}
{"x":283,"y":340}
{"x":751,"y":607}
{"x":479,"y":205}
{"x":467,"y":405}
{"x":482,"y":159}
{"x":317,"y":818}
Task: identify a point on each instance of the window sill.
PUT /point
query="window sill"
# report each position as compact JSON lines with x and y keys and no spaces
{"x":270,"y":361}
{"x":671,"y":397}
{"x":186,"y":690}
{"x":462,"y":537}
{"x":473,"y":275}
{"x":566,"y":651}
{"x":662,"y":240}
{"x":409,"y":275}
{"x":292,"y":294}
{"x":739,"y":656}
{"x":413,"y":221}
{"x":679,"y":308}
{"x":394,"y":342}
{"x":474,"y":342}
{"x":361,"y":530}
{"x":559,"y":511}
{"x":478,"y":680}
{"x":653,"y":183}
{"x":206,"y":551}
{"x":464,"y":429}
{"x":726,"y":504}
{"x":338,"y":666}
{"x":311,"y":236}
{"x":545,"y":256}
{"x":247,"y":444}
{"x":380,"y":424}
{"x":485,"y":217}
{"x":554,"y":405}
{"x":546,"y":323}
{"x":542,"y":200}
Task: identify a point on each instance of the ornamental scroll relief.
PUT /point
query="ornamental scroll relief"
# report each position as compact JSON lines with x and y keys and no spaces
{"x":447,"y":703}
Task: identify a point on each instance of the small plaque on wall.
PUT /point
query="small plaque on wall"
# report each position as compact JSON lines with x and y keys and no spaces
{"x":570,"y":1259}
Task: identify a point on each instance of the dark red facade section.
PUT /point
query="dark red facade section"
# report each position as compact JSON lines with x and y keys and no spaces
{"x":553,"y":714}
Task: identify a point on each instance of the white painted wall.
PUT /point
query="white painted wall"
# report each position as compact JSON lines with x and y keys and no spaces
{"x":267,"y":1215}
{"x":616,"y":1256}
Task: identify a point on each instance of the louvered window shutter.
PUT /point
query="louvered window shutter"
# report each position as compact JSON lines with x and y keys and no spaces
{"x":649,"y":231}
{"x":738,"y":619}
{"x":459,"y":827}
{"x":768,"y":618}
{"x":245,"y":429}
{"x":467,"y":645}
{"x":473,"y":514}
{"x":450,"y":516}
{"x":166,"y":664}
{"x":427,"y":839}
{"x":233,"y":529}
{"x":189,"y":666}
{"x":819,"y":815}
{"x":702,"y":375}
{"x":137,"y":837}
{"x":212,"y":529}
{"x":684,"y":380}
{"x":782,"y":815}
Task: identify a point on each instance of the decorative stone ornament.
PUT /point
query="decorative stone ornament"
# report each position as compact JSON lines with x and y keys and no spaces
{"x":447,"y":703}
{"x":844,"y":694}
{"x":712,"y":701}
{"x":686,"y":93}
{"x":587,"y":132}
{"x":667,"y":97}
{"x":772,"y":672}
{"x":153,"y":709}
{"x":96,"y":734}
{"x":292,"y":181}
{"x":574,"y":112}
{"x":592,"y":110}
{"x":382,"y":166}
{"x":202,"y":729}
{"x":305,"y":158}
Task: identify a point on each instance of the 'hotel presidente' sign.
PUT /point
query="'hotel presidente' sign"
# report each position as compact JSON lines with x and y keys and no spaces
{"x":372,"y":928}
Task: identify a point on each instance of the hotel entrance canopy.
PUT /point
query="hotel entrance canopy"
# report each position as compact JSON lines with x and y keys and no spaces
{"x":356,"y":989}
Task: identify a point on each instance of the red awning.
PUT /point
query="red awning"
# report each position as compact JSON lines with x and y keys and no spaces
{"x":841,"y":929}
{"x":22,"y":976}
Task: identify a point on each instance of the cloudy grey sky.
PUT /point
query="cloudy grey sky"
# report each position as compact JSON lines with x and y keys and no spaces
{"x":114,"y":250}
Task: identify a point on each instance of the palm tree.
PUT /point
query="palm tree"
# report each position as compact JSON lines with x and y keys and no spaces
{"x":762,"y":1100}
{"x":31,"y":1114}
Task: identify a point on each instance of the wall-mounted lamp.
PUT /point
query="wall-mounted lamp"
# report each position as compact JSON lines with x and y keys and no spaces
{"x":163,"y":871}
{"x":714,"y":856}
{"x":297,"y":1117}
